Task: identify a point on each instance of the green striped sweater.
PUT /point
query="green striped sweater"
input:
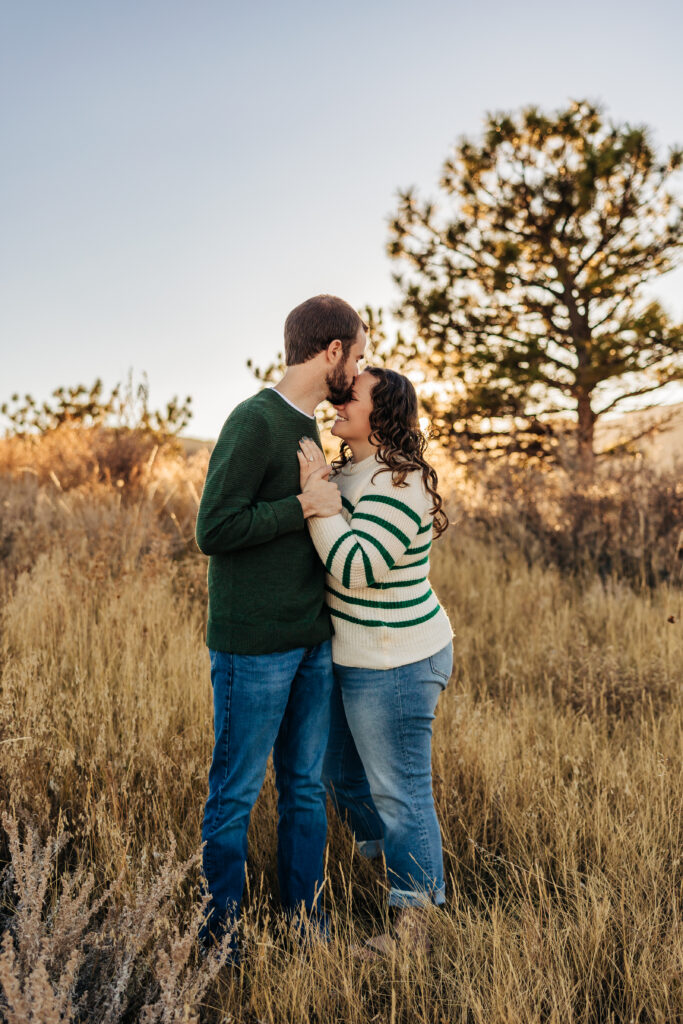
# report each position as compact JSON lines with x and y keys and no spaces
{"x":376,"y":554}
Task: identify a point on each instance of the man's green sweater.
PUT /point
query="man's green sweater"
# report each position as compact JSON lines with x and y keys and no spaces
{"x":266,"y":582}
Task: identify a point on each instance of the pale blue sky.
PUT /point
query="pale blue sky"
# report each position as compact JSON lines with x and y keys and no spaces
{"x":175,"y":177}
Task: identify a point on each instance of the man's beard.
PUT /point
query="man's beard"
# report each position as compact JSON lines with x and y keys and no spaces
{"x":339,"y":392}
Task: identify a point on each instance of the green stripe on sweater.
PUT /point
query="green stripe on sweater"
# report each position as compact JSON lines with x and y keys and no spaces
{"x":398,"y":583}
{"x":406,"y":509}
{"x":333,"y":551}
{"x":347,"y":504}
{"x":389,"y":527}
{"x":346,"y":575}
{"x":419,"y":551}
{"x":425,"y":529}
{"x":369,"y":577}
{"x":348,"y":563}
{"x":380,"y":547}
{"x":379,"y":604}
{"x":409,"y":565}
{"x":390,"y":625}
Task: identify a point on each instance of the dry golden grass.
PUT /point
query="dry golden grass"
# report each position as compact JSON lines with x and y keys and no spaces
{"x":557,"y":766}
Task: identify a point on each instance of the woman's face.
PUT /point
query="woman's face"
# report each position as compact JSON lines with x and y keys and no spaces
{"x":353,"y":418}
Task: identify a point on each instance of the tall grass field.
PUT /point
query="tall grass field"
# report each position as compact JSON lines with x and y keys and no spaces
{"x":556,"y":758}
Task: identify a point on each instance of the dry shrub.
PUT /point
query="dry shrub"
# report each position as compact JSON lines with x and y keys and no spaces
{"x":151,"y":515}
{"x":72,"y":456}
{"x":68,"y":955}
{"x":597,"y":647}
{"x":626,"y":523}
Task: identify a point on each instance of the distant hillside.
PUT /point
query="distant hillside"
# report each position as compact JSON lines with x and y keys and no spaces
{"x":194,"y":444}
{"x":664,"y":446}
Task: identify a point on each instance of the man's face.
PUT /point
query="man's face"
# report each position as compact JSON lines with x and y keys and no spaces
{"x":340,"y":380}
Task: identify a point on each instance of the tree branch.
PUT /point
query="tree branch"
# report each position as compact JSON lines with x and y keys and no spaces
{"x":609,"y":235}
{"x":635,"y":394}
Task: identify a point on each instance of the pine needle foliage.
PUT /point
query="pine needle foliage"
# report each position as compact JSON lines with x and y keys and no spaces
{"x":522,"y":283}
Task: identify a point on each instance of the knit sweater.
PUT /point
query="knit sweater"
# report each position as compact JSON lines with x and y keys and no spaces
{"x":376,"y":553}
{"x":266,"y":583}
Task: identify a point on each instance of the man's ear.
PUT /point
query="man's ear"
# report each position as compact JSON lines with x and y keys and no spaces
{"x":335,"y":351}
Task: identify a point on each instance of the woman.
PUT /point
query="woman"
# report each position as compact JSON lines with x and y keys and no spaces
{"x":392,"y":648}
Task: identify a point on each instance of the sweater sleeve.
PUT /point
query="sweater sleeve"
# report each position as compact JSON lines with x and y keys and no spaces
{"x":383,"y":525}
{"x":230,"y":517}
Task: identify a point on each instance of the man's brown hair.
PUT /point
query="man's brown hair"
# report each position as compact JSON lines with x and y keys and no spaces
{"x":312,"y":325}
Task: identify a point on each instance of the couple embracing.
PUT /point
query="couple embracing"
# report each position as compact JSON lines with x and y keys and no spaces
{"x":327,"y":644}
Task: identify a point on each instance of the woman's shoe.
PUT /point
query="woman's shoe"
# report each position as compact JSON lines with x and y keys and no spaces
{"x":375,"y":948}
{"x":412,"y":932}
{"x":412,"y":929}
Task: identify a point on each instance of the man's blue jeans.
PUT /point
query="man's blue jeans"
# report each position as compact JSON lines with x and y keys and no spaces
{"x":378,"y":770}
{"x":261,"y":702}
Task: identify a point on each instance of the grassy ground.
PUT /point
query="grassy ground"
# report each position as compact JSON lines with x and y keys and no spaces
{"x":557,"y":775}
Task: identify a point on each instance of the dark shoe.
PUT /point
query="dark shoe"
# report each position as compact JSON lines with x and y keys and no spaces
{"x":222,"y":943}
{"x":308,"y":932}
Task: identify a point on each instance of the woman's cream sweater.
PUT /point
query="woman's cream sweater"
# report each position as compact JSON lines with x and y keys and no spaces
{"x":376,"y":553}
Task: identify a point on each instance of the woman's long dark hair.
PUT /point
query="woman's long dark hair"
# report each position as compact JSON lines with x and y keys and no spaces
{"x":395,"y":430}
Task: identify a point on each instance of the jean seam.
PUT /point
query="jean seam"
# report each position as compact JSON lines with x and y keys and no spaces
{"x":423,"y":833}
{"x":226,"y":750}
{"x":345,"y":744}
{"x":361,"y":807}
{"x":341,"y":773}
{"x":282,"y":772}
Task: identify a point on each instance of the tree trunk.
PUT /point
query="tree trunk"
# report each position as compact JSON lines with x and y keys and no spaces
{"x":585,"y":434}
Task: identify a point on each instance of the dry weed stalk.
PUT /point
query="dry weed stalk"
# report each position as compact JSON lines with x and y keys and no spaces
{"x":66,"y":956}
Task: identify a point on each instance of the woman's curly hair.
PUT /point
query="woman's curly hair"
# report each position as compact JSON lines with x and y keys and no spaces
{"x":395,"y":430}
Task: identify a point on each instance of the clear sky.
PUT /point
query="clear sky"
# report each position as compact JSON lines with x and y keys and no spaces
{"x":175,"y":177}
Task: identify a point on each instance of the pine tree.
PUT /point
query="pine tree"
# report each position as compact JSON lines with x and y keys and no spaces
{"x":523,"y":283}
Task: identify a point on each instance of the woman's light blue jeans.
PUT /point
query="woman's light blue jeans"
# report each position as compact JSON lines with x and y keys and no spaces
{"x":378,"y":769}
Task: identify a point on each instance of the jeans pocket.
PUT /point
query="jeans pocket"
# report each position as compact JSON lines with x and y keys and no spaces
{"x":441,"y":664}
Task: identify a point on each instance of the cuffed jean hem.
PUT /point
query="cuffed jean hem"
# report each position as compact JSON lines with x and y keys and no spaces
{"x":417,"y":897}
{"x":370,"y":847}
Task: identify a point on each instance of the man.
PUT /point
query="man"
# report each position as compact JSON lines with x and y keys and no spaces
{"x":269,"y":629}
